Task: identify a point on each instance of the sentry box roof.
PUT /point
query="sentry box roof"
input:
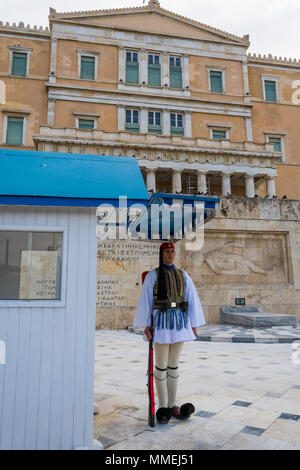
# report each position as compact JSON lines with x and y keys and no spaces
{"x":63,"y":179}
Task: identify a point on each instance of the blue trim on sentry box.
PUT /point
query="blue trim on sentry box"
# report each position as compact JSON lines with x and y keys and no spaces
{"x":63,"y":202}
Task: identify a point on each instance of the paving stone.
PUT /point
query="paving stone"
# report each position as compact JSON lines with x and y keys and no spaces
{"x":253,"y":430}
{"x":247,"y":416}
{"x":244,"y":441}
{"x":106,"y":442}
{"x":289,"y":416}
{"x":205,"y":414}
{"x":285,"y":429}
{"x":242,"y":403}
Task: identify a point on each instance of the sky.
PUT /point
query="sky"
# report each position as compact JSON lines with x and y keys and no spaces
{"x":273,"y":25}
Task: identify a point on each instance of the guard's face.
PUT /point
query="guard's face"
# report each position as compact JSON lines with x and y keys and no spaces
{"x":169,"y":256}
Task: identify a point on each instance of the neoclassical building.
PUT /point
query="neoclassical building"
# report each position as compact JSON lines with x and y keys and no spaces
{"x":199,"y":113}
{"x":201,"y":116}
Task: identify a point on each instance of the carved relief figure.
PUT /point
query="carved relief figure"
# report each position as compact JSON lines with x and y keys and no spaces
{"x":223,"y":262}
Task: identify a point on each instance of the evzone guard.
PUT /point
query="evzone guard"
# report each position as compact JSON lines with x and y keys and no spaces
{"x":170,"y":295}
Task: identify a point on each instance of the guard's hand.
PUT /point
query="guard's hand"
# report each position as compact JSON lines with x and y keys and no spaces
{"x":147,"y":332}
{"x":195,"y":331}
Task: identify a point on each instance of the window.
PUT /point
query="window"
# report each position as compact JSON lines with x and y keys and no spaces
{"x":216,"y":81}
{"x":176,"y":124}
{"x":30,"y":265}
{"x":132,"y":120}
{"x":86,"y":124}
{"x":19,"y":64}
{"x":154,"y":70}
{"x":278,"y":146}
{"x":87,"y":67}
{"x":154,"y":122}
{"x":218,"y":134}
{"x":270,"y":90}
{"x":175,"y":72}
{"x":14,"y":131}
{"x":132,"y":67}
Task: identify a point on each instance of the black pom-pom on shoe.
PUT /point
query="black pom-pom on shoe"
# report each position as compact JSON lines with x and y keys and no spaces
{"x":163,"y":415}
{"x":187,"y":410}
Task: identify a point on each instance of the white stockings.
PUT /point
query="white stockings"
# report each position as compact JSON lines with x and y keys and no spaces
{"x":166,"y":372}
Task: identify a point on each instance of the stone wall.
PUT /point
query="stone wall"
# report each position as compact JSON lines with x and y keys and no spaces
{"x":251,"y":250}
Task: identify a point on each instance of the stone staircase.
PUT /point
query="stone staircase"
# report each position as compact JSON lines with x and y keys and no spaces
{"x":254,"y":317}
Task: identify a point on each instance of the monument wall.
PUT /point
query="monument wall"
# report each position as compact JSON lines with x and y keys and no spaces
{"x":251,"y":250}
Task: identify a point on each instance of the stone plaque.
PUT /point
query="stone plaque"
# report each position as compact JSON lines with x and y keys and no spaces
{"x":120,"y":266}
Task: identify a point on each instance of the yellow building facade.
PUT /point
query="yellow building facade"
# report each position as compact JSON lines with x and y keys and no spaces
{"x":187,"y":100}
{"x":201,"y":116}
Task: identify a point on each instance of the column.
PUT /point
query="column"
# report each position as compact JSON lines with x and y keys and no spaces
{"x":121,"y":118}
{"x":53,"y":59}
{"x":150,"y":180}
{"x":226,"y":185}
{"x":176,"y":181}
{"x":188,"y":124}
{"x":246,"y":79}
{"x":201,"y":182}
{"x":51,"y":112}
{"x":144,"y":121}
{"x":249,"y":132}
{"x":166,"y":122}
{"x":143,"y":67}
{"x":250,"y":189}
{"x":165,"y":70}
{"x":271,"y":190}
{"x":186,"y":72}
{"x":122,"y":60}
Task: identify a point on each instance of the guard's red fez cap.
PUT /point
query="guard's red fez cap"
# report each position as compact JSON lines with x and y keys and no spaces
{"x":166,"y":245}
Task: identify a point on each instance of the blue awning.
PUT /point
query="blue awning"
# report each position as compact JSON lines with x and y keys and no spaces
{"x":64,"y":179}
{"x":171,"y":216}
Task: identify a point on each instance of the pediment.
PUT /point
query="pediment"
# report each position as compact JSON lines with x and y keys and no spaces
{"x":149,"y":19}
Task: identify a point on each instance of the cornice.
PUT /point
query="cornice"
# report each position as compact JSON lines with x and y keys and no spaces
{"x":273,"y":60}
{"x":21,"y":29}
{"x":148,"y":96}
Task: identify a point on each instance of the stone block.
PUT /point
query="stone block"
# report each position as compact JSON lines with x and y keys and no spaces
{"x":253,"y":317}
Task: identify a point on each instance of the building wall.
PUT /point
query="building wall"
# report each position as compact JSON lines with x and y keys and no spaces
{"x":234,"y":86}
{"x":45,"y":381}
{"x":67,"y":67}
{"x":28,"y":94}
{"x":106,"y":114}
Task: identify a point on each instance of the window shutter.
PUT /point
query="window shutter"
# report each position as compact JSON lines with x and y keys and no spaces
{"x":270,"y":90}
{"x":14,"y":134}
{"x":216,"y":85}
{"x":87,"y":68}
{"x":177,"y":130}
{"x":86,"y":124}
{"x":175,"y":77}
{"x":276,"y":141}
{"x":132,"y":72}
{"x":154,"y":129}
{"x":219,"y":134}
{"x":19,"y":65}
{"x":154,"y":75}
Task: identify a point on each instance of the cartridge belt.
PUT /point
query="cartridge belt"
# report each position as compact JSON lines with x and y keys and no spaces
{"x":163,"y":306}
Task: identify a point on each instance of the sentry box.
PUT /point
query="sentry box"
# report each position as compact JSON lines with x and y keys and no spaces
{"x":48,"y":255}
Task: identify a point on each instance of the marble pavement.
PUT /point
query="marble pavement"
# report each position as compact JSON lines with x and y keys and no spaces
{"x":247,"y":396}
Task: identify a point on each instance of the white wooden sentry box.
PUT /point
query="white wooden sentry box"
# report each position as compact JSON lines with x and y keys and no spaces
{"x":48,"y":207}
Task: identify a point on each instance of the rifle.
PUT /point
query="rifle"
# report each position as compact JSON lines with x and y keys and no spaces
{"x":151,"y":412}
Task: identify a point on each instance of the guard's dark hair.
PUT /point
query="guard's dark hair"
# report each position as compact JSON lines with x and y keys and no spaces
{"x":162,"y":289}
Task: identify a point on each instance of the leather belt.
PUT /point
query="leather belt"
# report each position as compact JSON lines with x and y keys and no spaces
{"x":163,"y":306}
